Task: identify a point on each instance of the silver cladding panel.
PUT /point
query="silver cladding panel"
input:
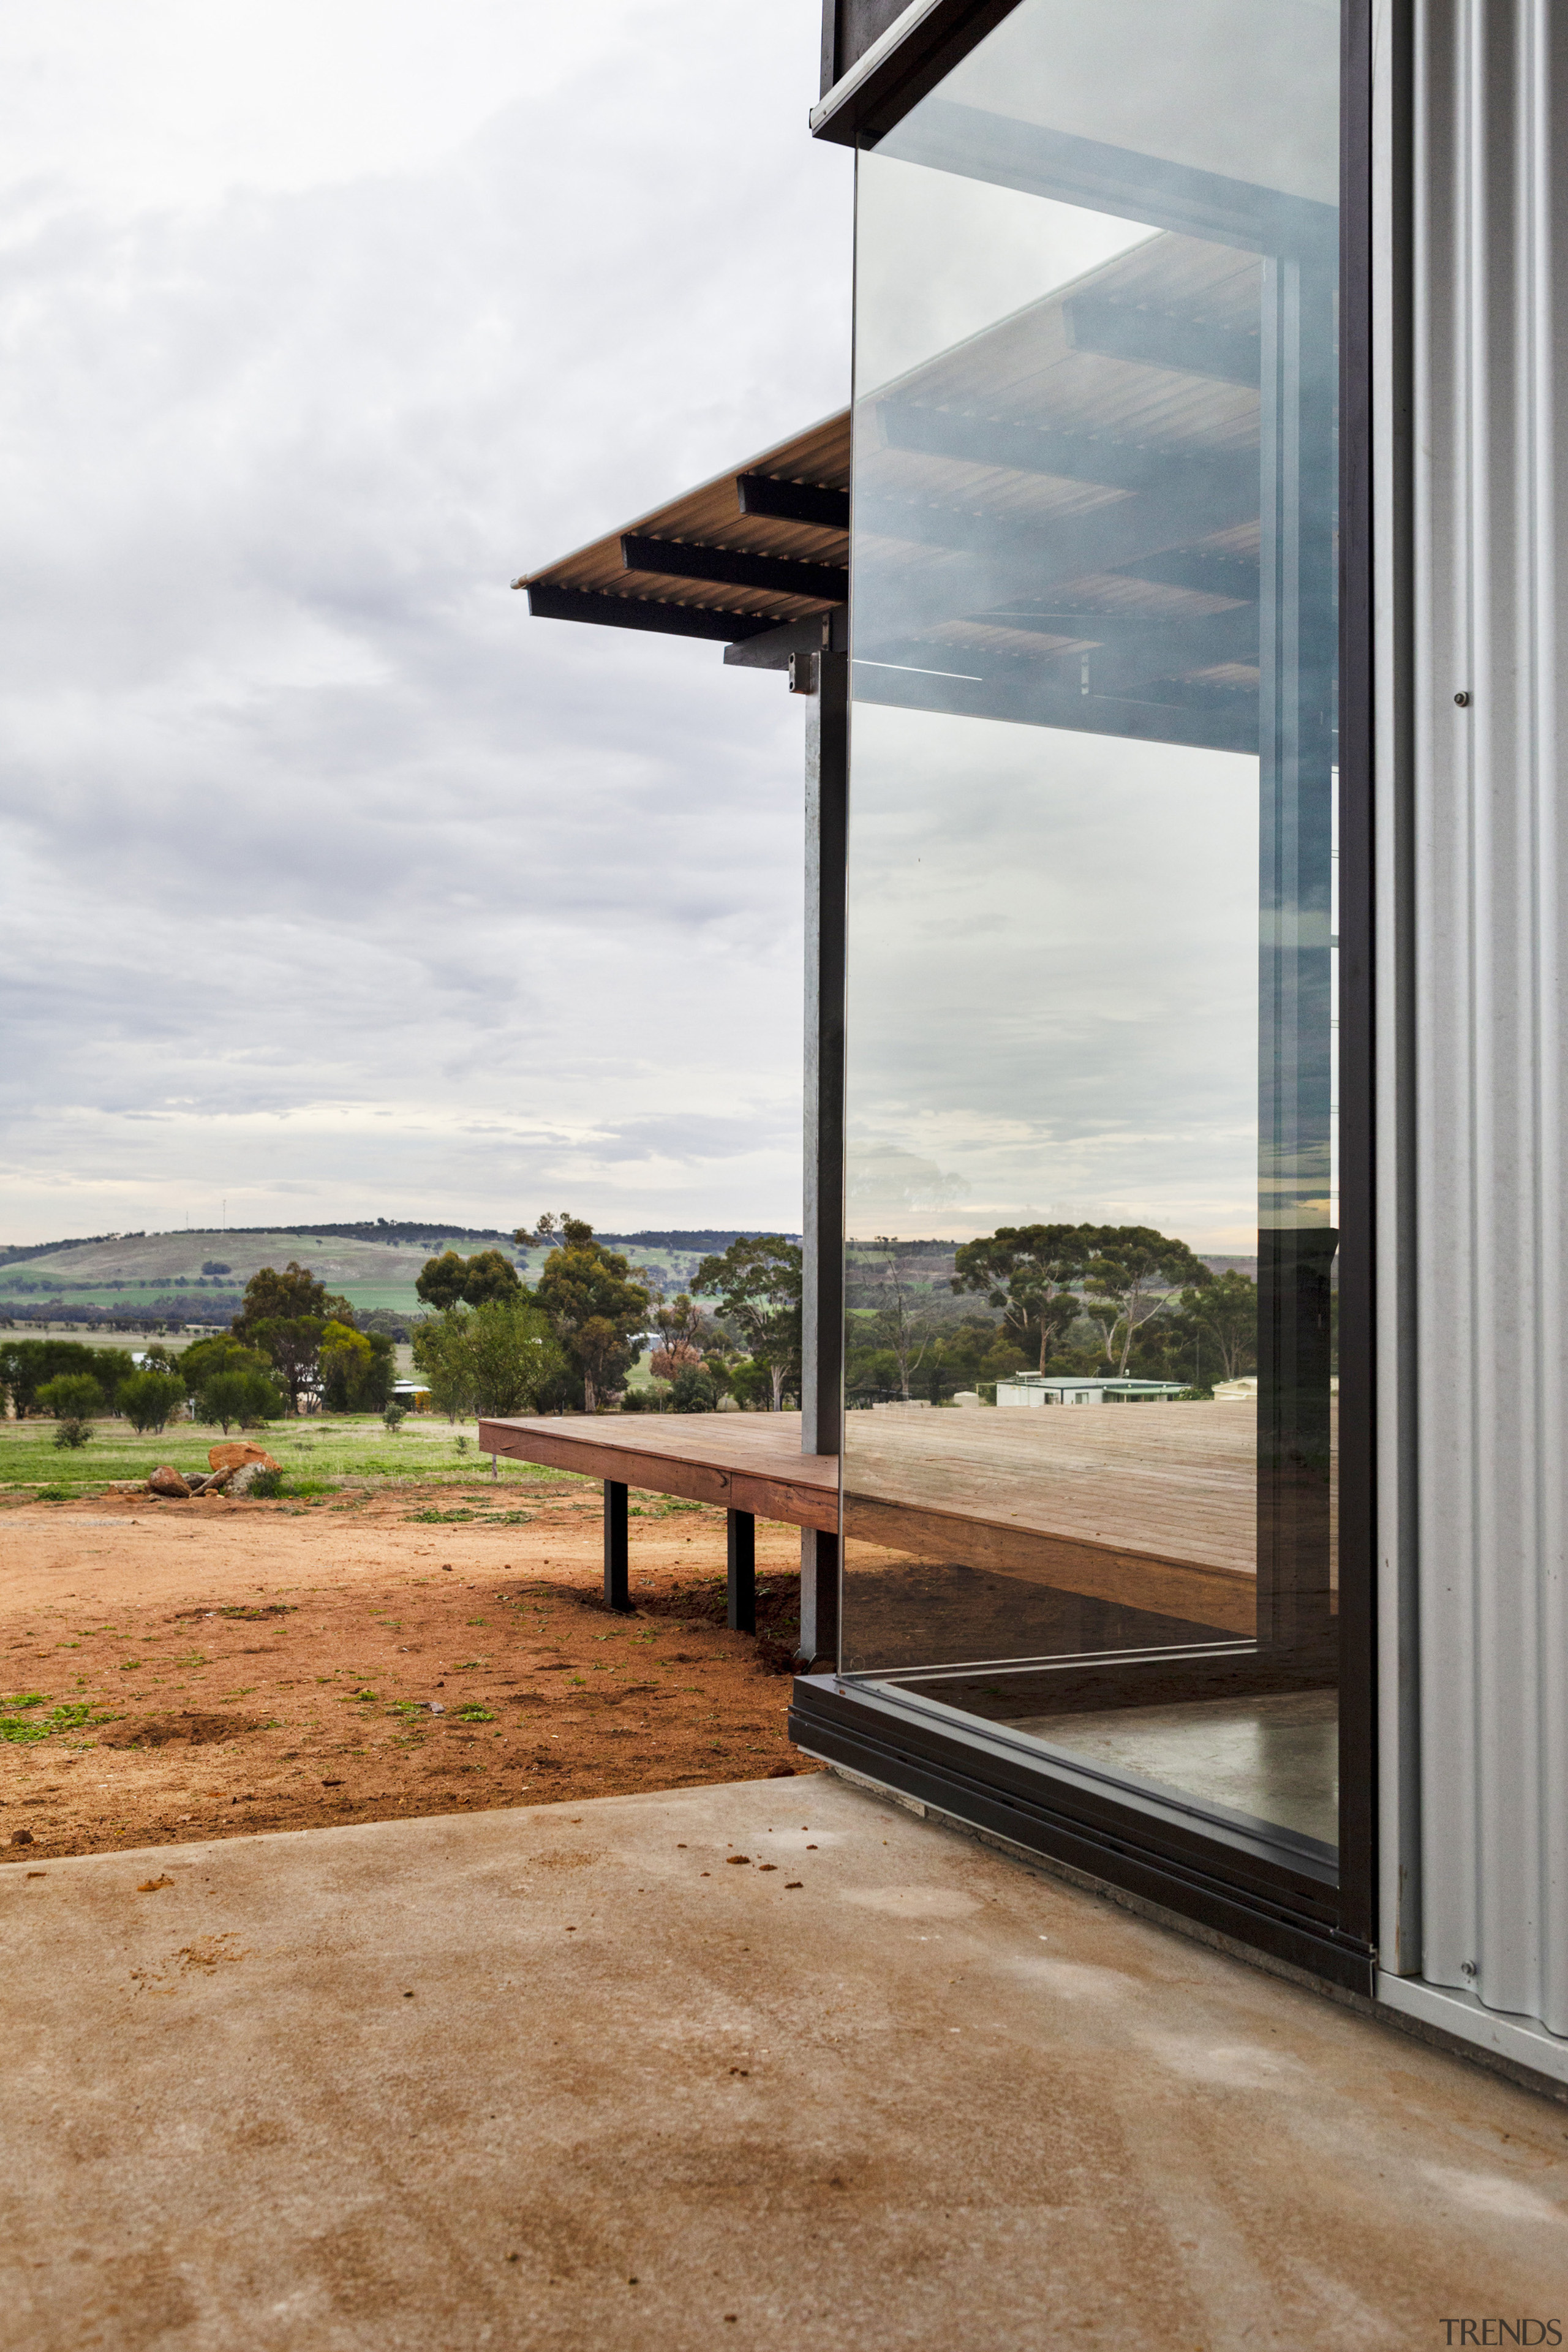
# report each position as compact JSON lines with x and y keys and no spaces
{"x":1490,"y":303}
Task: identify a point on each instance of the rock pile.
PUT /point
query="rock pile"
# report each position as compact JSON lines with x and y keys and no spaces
{"x":231,"y":1470}
{"x":171,"y":1483}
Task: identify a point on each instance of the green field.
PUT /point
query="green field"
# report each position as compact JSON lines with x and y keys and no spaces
{"x":401,"y":1297}
{"x":331,"y":1451}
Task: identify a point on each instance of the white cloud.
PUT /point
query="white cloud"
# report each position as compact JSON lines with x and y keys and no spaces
{"x":332,"y":882}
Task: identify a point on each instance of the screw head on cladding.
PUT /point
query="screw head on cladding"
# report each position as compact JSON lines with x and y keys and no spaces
{"x":1463,"y":700}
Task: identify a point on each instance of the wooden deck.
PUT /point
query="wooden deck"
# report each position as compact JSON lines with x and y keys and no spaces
{"x":740,"y":1460}
{"x":1150,"y":1507}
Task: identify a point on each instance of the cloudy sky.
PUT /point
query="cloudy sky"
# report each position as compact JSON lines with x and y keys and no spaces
{"x":332,"y":886}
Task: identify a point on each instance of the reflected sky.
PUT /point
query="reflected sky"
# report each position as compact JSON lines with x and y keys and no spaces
{"x":1093,"y":723}
{"x":944,"y":258}
{"x":1246,"y":88}
{"x":1053,"y":994}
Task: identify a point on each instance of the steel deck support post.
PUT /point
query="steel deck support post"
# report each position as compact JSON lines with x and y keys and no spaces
{"x":822,"y":1230}
{"x":742,"y":1617}
{"x":617,"y":1559}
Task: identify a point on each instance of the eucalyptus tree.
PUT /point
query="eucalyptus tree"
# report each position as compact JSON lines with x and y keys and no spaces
{"x":1030,"y":1275}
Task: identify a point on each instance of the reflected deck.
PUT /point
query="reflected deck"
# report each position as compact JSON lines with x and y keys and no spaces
{"x":1149,"y":1506}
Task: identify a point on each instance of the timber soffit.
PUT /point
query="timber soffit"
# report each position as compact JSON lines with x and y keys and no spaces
{"x":763,"y":544}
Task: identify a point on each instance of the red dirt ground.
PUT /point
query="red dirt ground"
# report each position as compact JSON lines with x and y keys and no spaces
{"x":274,"y":1666}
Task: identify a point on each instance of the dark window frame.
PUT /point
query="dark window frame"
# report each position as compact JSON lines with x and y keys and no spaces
{"x":1248,"y":1898}
{"x":944,"y":35}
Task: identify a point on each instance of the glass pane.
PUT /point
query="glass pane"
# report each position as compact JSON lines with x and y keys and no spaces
{"x":1088,"y":1463}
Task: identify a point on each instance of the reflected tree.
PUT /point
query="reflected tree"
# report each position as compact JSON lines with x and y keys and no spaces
{"x":908,"y":1344}
{"x":1030,"y":1274}
{"x":1226,"y":1313}
{"x":1134,"y":1275}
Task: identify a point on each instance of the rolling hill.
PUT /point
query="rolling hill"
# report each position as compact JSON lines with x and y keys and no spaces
{"x":201,"y":1274}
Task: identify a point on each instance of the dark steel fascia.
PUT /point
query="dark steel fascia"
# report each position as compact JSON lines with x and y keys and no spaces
{"x":814,"y":502}
{"x":898,"y":70}
{"x":549,"y":603}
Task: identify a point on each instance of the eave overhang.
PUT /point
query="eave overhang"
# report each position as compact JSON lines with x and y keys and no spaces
{"x":761,"y":546}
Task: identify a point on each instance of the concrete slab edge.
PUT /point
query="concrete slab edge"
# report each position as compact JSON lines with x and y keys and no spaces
{"x":1504,"y":2051}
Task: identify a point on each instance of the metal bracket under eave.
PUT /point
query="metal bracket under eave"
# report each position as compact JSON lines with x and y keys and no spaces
{"x":792,"y":647}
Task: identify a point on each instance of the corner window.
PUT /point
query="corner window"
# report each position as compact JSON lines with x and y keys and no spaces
{"x":1089,"y":1459}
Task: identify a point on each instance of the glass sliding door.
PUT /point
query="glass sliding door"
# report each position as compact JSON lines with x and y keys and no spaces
{"x":1089,"y":1459}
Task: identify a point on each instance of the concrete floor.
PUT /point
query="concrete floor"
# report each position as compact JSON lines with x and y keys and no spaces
{"x":1275,"y":1758}
{"x":570,"y":2078}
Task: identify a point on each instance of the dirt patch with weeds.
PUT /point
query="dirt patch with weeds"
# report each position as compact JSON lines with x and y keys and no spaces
{"x":195,"y":1730}
{"x":250,"y":1616}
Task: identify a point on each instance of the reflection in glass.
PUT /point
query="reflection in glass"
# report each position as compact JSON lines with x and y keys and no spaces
{"x":1090,"y":1061}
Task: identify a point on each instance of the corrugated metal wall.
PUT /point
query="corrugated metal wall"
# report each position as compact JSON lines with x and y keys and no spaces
{"x":1490,"y":890}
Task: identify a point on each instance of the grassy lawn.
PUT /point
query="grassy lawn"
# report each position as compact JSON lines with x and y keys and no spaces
{"x":326,"y":1451}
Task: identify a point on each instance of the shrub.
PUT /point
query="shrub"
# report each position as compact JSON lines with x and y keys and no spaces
{"x":267,"y":1484}
{"x":148,"y":1399}
{"x":73,"y":1398}
{"x":751,"y":1383}
{"x":74,"y":1394}
{"x":499,"y":1357}
{"x":199,"y":1363}
{"x":693,"y":1389}
{"x":241,"y":1394}
{"x":26,"y":1366}
{"x":654,"y":1398}
{"x":357,"y":1370}
{"x":394,"y":1416}
{"x":441,"y":1353}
